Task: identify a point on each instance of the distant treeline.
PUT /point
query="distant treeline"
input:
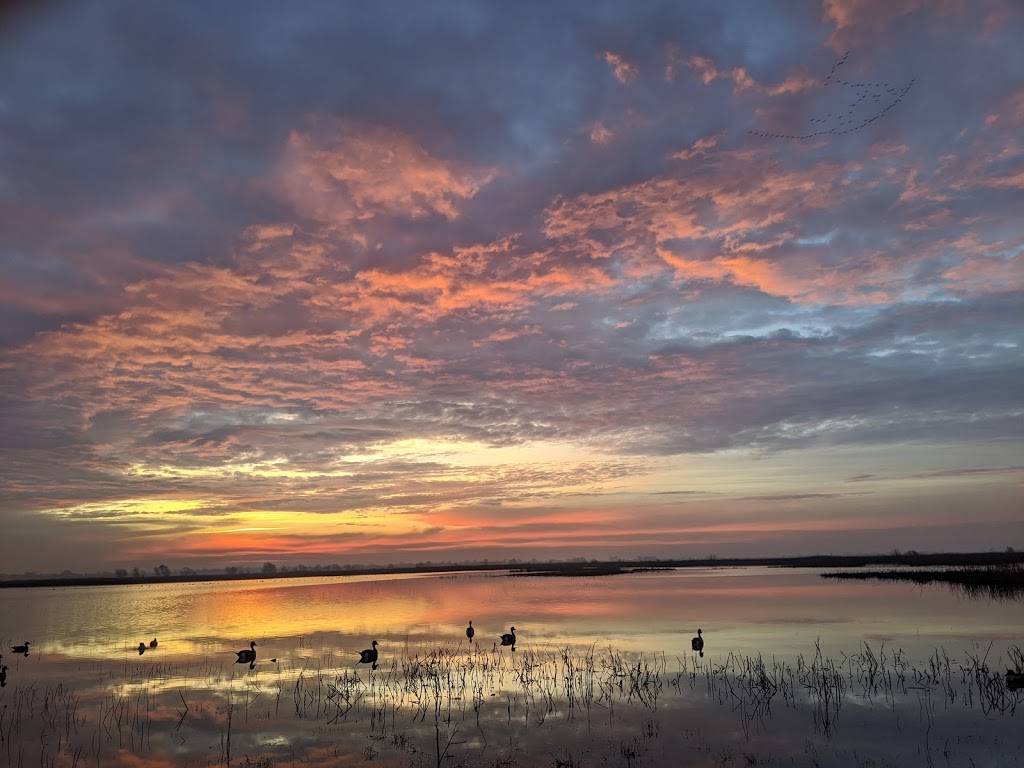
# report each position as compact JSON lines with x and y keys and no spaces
{"x":164,"y":575}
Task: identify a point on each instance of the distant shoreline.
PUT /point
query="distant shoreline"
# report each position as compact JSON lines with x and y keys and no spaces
{"x":1005,"y":580}
{"x":567,"y":568}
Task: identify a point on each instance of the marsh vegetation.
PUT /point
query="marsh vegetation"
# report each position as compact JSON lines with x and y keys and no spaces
{"x":570,"y":706}
{"x":603,"y":675}
{"x":1005,"y":582}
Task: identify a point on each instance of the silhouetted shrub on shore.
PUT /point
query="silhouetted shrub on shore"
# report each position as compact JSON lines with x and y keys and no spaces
{"x":1001,"y":582}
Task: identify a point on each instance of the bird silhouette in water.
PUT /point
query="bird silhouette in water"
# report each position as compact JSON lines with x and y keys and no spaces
{"x":470,"y":631}
{"x":1014,"y":680}
{"x":3,"y":676}
{"x":153,"y":643}
{"x":369,"y":656}
{"x":142,"y":648}
{"x":22,"y":649}
{"x":247,"y":655}
{"x":698,"y":643}
{"x":509,"y":638}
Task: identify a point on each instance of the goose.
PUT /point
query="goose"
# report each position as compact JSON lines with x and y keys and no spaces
{"x":369,"y":656}
{"x":3,"y":676}
{"x":153,"y":643}
{"x":23,"y":649}
{"x":142,"y":648}
{"x":247,"y":655}
{"x":509,"y":638}
{"x":470,"y":631}
{"x":1014,"y":680}
{"x":697,"y":643}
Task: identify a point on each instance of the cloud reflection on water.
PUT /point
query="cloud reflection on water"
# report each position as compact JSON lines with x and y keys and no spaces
{"x":315,"y":706}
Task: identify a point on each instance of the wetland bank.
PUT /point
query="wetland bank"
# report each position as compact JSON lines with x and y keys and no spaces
{"x":798,"y":670}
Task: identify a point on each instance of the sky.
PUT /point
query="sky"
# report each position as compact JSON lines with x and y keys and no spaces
{"x":400,"y":281}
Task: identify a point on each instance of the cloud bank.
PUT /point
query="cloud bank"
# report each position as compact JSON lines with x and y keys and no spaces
{"x":509,"y":281}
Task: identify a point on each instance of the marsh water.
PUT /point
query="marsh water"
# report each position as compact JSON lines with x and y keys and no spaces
{"x":797,"y":671}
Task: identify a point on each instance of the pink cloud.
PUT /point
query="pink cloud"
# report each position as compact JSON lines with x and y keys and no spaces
{"x":341,"y":173}
{"x":600,"y":134}
{"x":726,"y":209}
{"x":624,"y":71}
{"x":794,"y":83}
{"x":708,"y":73}
{"x":699,"y":147}
{"x":855,"y":19}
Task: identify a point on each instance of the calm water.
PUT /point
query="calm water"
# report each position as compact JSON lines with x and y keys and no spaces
{"x":797,"y":670}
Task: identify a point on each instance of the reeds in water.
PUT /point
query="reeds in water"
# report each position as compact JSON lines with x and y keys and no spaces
{"x":445,"y":703}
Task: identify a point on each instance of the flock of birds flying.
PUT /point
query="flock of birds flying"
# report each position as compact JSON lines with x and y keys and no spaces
{"x":883,"y":96}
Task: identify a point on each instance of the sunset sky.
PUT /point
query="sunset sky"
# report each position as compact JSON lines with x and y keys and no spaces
{"x":398,"y":281}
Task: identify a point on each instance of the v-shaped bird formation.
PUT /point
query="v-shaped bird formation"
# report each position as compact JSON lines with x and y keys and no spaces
{"x":870,"y":101}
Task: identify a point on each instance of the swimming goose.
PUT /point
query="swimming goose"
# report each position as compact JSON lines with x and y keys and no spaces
{"x":369,"y":656}
{"x":470,"y":631}
{"x":142,"y":648}
{"x":247,"y":655}
{"x":23,"y":649}
{"x":509,"y":638}
{"x":1014,"y":680}
{"x":153,"y":643}
{"x":697,"y":643}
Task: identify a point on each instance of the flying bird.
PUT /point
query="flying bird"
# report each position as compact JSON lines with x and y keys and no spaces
{"x":884,"y":96}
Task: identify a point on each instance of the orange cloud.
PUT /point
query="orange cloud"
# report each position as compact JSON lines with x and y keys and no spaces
{"x":342,"y":173}
{"x":794,"y":83}
{"x":699,"y":147}
{"x":623,"y":71}
{"x":855,"y":19}
{"x":988,"y":268}
{"x":742,"y":80}
{"x":708,"y":73}
{"x":726,"y":210}
{"x":600,"y":134}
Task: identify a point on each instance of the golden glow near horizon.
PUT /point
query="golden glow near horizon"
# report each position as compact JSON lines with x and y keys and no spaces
{"x":583,"y":501}
{"x":134,"y":508}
